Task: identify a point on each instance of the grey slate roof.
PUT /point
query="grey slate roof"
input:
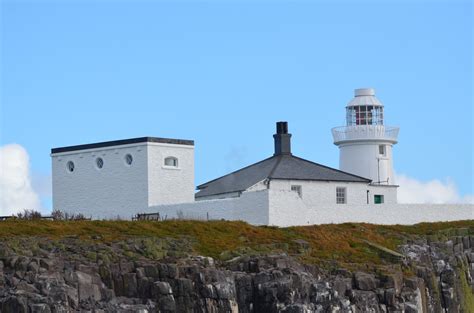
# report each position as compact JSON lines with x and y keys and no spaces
{"x":283,"y":166}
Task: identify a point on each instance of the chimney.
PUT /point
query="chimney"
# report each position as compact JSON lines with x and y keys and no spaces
{"x":282,"y":139}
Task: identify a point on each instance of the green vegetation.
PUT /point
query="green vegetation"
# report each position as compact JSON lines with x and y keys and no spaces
{"x":466,"y":291}
{"x":341,"y":243}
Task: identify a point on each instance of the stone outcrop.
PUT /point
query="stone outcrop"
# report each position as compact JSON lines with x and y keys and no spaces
{"x":433,"y":277}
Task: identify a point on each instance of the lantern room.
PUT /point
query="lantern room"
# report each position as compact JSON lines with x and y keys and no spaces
{"x":364,"y":109}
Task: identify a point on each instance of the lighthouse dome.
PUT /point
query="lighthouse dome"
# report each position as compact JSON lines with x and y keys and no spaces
{"x":364,"y":96}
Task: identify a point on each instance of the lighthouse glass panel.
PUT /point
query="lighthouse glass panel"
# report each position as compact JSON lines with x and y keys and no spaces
{"x":364,"y":115}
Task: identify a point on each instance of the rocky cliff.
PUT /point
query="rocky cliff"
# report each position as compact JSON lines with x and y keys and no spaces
{"x":150,"y":274}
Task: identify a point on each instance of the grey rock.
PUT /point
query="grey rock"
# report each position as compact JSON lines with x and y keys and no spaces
{"x":458,"y":248}
{"x":167,"y":304}
{"x":411,"y":308}
{"x":14,"y":304}
{"x":364,"y":281}
{"x":68,"y":281}
{"x":47,"y":264}
{"x":144,"y":287}
{"x":161,"y":288}
{"x":27,"y":287}
{"x":412,"y":283}
{"x":466,"y":242}
{"x":341,"y":285}
{"x":86,"y":288}
{"x":390,"y":297}
{"x":22,"y":264}
{"x":130,"y":284}
{"x":393,"y":280}
{"x":40,"y":308}
{"x":365,"y":301}
{"x":33,"y":267}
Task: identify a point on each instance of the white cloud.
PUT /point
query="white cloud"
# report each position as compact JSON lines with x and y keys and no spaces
{"x":16,"y":192}
{"x":412,"y":190}
{"x":42,"y":184}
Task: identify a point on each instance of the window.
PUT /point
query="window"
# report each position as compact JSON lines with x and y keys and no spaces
{"x":382,"y":150}
{"x":378,"y":199}
{"x":298,"y":190}
{"x":340,"y":195}
{"x":70,"y":166}
{"x":171,"y":161}
{"x":364,"y":115}
{"x":128,"y":159}
{"x":99,"y":162}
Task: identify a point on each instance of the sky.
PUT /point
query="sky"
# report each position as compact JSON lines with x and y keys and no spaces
{"x":223,"y":72}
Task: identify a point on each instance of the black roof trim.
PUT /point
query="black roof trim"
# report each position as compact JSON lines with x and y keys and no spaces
{"x":196,"y":196}
{"x":123,"y":142}
{"x":381,"y":185}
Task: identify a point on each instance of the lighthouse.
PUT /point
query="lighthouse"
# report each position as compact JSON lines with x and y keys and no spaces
{"x":365,"y":143}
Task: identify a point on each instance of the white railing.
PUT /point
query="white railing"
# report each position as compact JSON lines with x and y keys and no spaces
{"x":365,"y":132}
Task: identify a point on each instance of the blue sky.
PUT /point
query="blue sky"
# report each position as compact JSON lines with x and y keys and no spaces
{"x":222,"y":73}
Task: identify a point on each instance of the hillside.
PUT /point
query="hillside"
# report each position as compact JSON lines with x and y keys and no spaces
{"x":169,"y":266}
{"x":344,"y":243}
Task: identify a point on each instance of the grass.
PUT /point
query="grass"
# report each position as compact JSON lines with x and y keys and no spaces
{"x":341,"y":243}
{"x":466,"y":291}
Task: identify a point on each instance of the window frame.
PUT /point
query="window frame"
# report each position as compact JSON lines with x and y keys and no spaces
{"x":381,"y":199}
{"x":175,"y":162}
{"x":341,"y":195}
{"x":298,"y":189}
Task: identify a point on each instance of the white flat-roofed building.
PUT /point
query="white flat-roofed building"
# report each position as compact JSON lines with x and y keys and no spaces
{"x":120,"y":178}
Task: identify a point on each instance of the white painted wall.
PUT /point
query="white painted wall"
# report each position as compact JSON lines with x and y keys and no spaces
{"x":316,"y":193}
{"x":116,"y":189}
{"x":251,"y":207}
{"x":287,"y":209}
{"x":388,"y":191}
{"x":119,"y":189}
{"x":167,"y":185}
{"x":362,"y":158}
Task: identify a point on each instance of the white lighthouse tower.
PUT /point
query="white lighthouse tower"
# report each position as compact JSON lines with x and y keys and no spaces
{"x":365,"y":143}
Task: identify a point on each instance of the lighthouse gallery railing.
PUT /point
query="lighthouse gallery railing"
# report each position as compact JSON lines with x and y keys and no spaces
{"x":365,"y":132}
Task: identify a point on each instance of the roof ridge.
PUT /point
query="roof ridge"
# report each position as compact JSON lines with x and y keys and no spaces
{"x":280,"y":157}
{"x":202,"y":186}
{"x":331,"y":168}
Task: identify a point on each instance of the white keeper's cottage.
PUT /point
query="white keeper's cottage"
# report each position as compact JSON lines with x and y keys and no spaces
{"x":313,"y":183}
{"x":156,"y":175}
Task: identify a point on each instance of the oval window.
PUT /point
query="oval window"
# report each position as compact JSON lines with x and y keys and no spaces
{"x":70,"y":166}
{"x":128,"y":159}
{"x":99,"y":162}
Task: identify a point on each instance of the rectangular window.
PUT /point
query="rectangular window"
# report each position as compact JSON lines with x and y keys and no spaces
{"x":382,"y":150}
{"x":298,"y":189}
{"x":378,"y":199}
{"x":340,"y":195}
